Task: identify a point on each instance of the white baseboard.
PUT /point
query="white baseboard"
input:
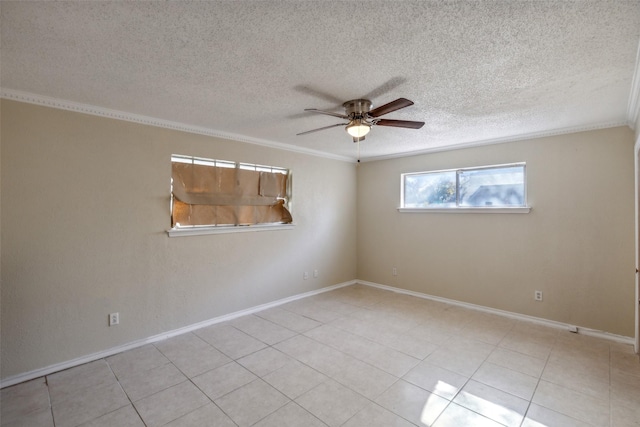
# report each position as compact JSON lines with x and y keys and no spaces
{"x":16,"y":379}
{"x":512,"y":315}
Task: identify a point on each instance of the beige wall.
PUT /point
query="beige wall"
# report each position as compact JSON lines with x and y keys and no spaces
{"x":85,"y":206}
{"x":576,"y":245}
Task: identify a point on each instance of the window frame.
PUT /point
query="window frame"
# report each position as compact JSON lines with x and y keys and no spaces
{"x":525,"y":208}
{"x":196,"y":230}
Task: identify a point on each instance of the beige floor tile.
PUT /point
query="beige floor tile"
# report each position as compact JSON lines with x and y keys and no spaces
{"x":314,"y":354}
{"x":374,"y":415}
{"x":461,"y":355}
{"x":145,"y":383}
{"x":593,"y":381}
{"x":507,"y":380}
{"x":436,"y":380}
{"x":357,"y":342}
{"x":170,"y":404}
{"x":495,"y":404}
{"x":363,"y":378}
{"x":386,"y":319}
{"x":289,"y":319}
{"x":564,"y":353}
{"x":92,"y":402}
{"x":625,"y":361}
{"x":378,"y":355}
{"x":38,"y":418}
{"x":413,"y":347}
{"x":225,"y":379}
{"x":520,"y":362}
{"x":406,"y":304}
{"x":191,"y":354}
{"x":71,"y":383}
{"x":251,"y":402}
{"x":332,"y":403}
{"x":231,"y":341}
{"x":539,"y":416}
{"x":136,"y":360}
{"x":572,"y":403}
{"x":457,"y":416}
{"x":412,"y":403}
{"x":294,"y":379}
{"x":430,"y":332}
{"x":208,"y":415}
{"x":530,"y":339}
{"x":312,"y":310}
{"x":355,"y":325}
{"x":625,"y":415}
{"x":361,"y":295}
{"x":123,"y":417}
{"x":344,"y":341}
{"x":583,"y":342}
{"x":625,"y":389}
{"x":337,"y":305}
{"x":391,"y":361}
{"x":536,"y":331}
{"x":290,"y":415}
{"x":265,"y":361}
{"x":261,"y":329}
{"x":22,"y":399}
{"x":527,"y":345}
{"x":488,"y":328}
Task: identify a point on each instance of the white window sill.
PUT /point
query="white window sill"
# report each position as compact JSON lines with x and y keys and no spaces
{"x":523,"y":210}
{"x":199,"y":231}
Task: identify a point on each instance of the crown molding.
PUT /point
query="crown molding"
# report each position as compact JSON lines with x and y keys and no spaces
{"x":633,"y":110}
{"x":30,"y":98}
{"x":501,"y":140}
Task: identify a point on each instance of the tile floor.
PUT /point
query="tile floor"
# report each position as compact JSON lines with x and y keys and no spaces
{"x":356,"y":356}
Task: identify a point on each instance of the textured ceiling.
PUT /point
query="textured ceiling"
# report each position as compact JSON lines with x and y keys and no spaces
{"x":477,"y":71}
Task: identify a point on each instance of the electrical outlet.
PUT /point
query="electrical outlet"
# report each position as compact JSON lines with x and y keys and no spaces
{"x":537,"y":295}
{"x":315,"y":274}
{"x":114,"y":319}
{"x":305,"y":275}
{"x":394,"y":271}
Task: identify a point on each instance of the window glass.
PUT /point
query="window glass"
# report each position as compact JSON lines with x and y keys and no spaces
{"x":482,"y":187}
{"x":492,"y":187}
{"x":430,"y":190}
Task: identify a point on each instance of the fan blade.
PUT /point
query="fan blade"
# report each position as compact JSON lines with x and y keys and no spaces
{"x":399,"y":123}
{"x":329,"y":113}
{"x":319,"y":94}
{"x":323,"y":128}
{"x":392,"y":106}
{"x":387,"y":86}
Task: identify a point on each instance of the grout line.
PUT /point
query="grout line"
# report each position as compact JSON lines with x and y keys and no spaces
{"x":125,"y":393}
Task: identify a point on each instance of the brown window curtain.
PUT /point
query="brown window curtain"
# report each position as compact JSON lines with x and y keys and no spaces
{"x":213,"y":195}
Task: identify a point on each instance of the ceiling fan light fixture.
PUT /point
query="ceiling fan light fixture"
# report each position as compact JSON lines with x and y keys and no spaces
{"x":358,"y":128}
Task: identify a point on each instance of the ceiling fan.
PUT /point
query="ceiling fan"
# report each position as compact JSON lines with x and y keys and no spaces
{"x":361,"y":117}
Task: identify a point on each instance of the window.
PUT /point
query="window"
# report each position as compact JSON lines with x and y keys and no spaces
{"x":489,"y":187}
{"x":214,"y":193}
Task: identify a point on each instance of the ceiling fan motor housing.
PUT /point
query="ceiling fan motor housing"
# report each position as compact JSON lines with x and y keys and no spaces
{"x":357,"y":108}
